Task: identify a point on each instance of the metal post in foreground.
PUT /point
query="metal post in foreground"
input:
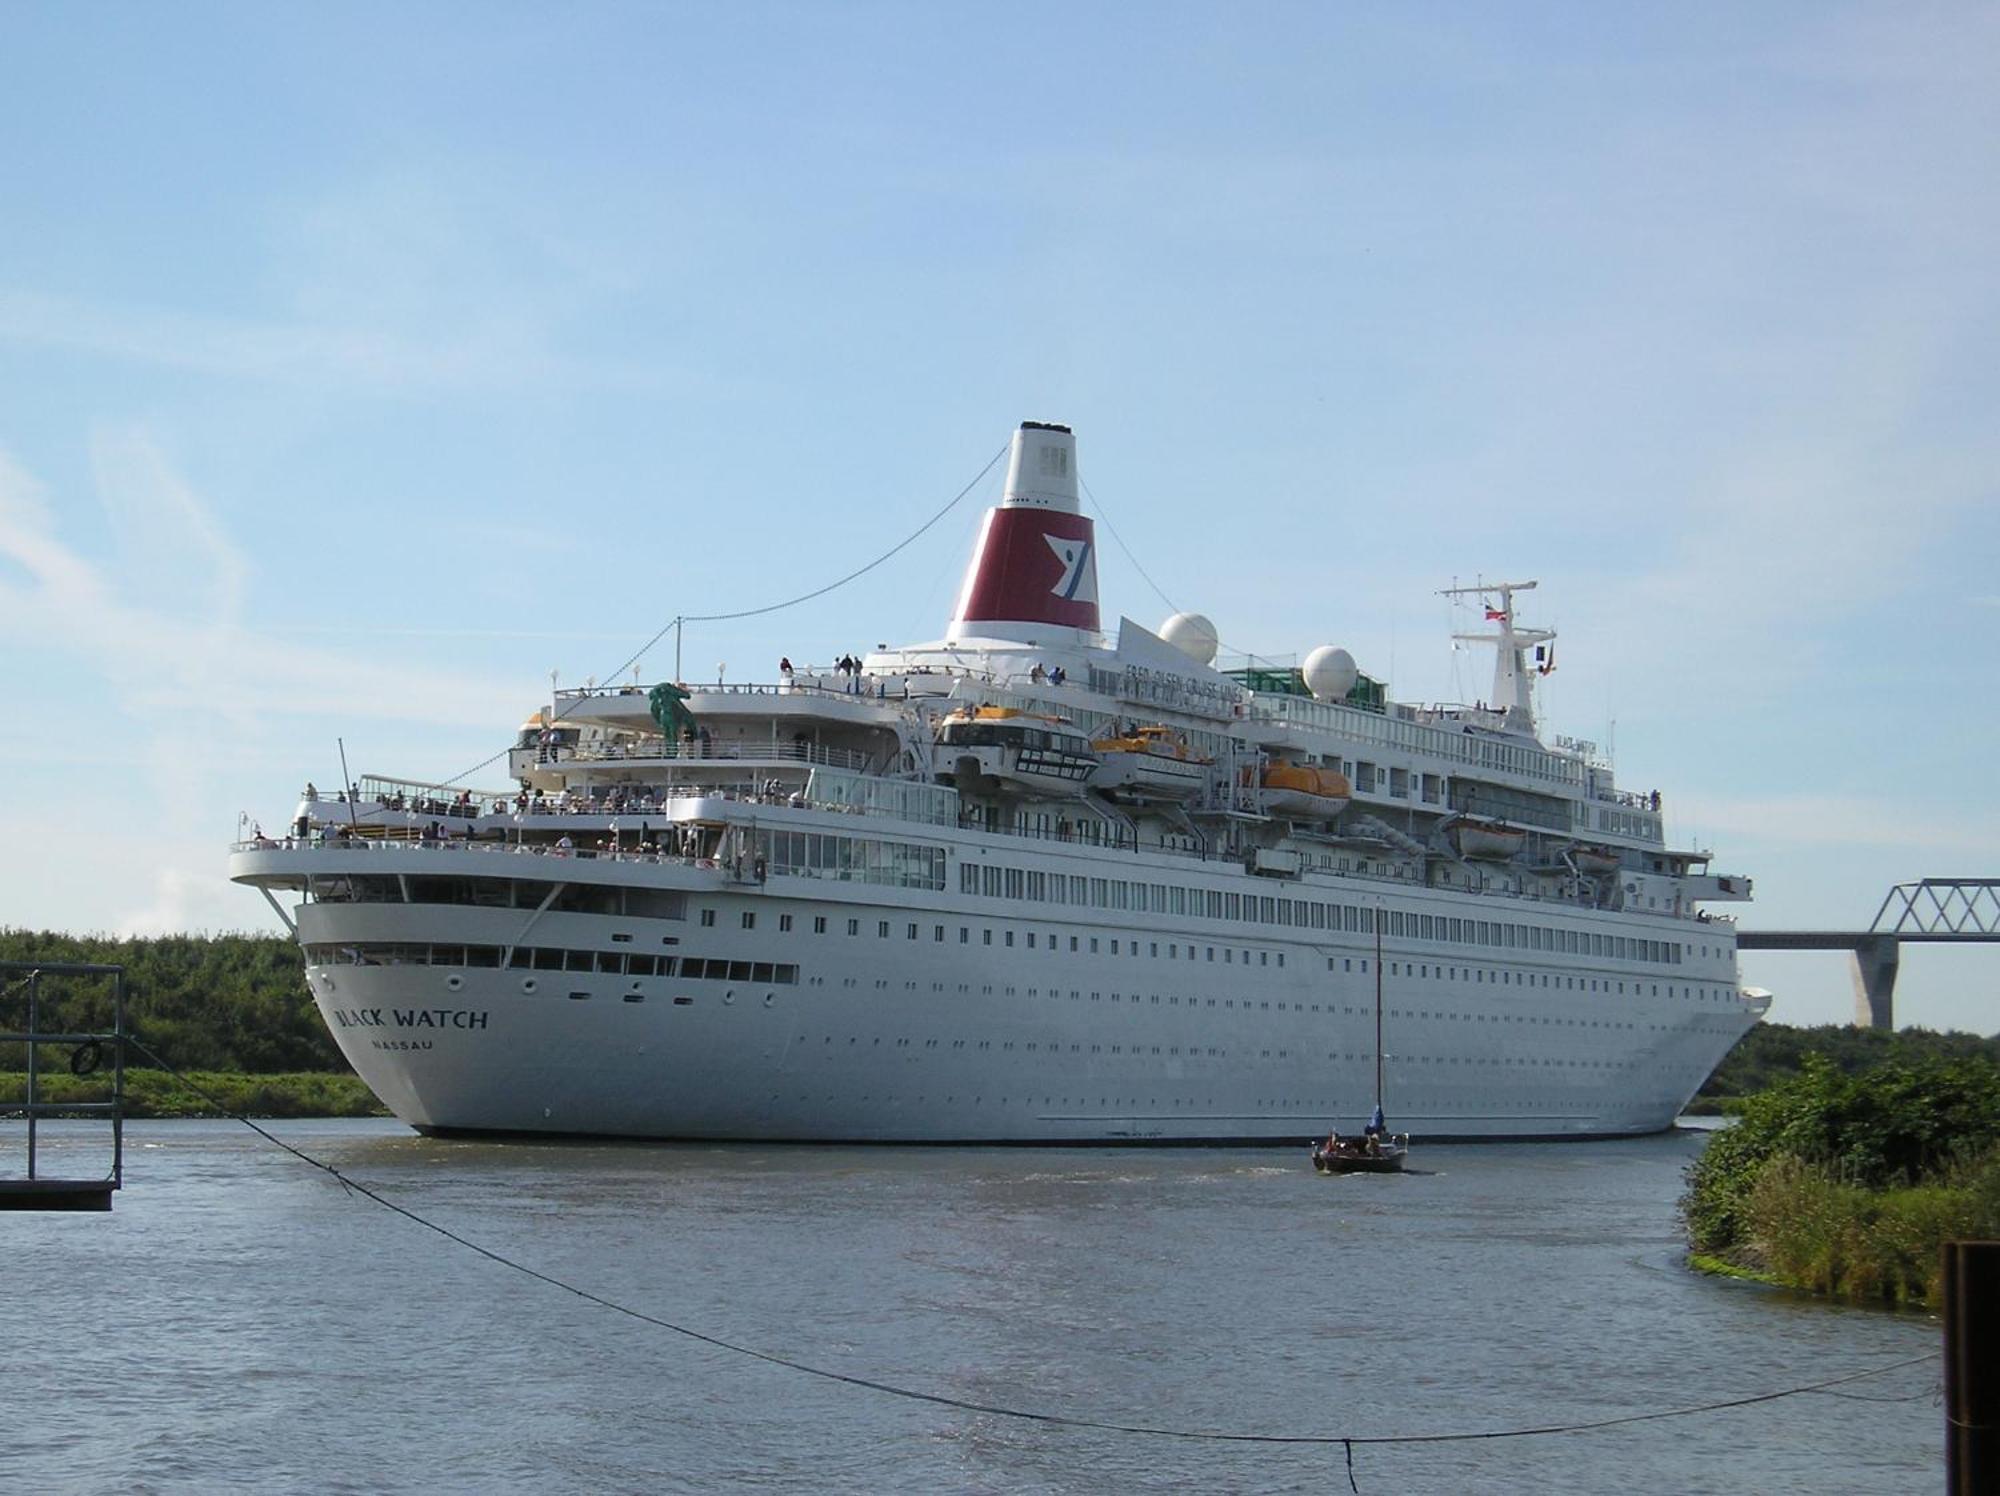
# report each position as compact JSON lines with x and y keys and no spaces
{"x":1972,"y":1366}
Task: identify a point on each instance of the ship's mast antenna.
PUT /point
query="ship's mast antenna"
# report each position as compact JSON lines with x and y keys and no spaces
{"x":347,"y":784}
{"x":1379,"y":913}
{"x":1513,"y":687}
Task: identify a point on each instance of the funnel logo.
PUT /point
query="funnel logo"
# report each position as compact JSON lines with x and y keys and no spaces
{"x":1032,"y":567}
{"x":1077,"y":584}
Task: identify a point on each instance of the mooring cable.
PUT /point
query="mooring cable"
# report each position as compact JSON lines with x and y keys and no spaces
{"x":790,"y":602}
{"x":1001,"y":1410}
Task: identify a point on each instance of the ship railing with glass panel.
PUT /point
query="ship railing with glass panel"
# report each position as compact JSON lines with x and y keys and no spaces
{"x":765,"y":845}
{"x":642,"y":752}
{"x":831,"y":699}
{"x":501,"y":824}
{"x":377,"y":803}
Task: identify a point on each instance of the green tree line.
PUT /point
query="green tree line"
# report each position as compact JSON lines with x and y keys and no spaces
{"x":1774,"y":1052}
{"x":202,"y":1002}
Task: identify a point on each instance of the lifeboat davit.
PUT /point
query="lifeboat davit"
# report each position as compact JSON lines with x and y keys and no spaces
{"x":1302,"y":790}
{"x":1489,"y":839}
{"x":1152,"y":762}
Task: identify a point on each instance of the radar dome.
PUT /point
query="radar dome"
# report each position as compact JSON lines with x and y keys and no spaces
{"x":1193,"y":635}
{"x":1330,"y":673}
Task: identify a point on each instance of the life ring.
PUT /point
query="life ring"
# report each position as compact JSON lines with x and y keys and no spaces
{"x":86,"y":1057}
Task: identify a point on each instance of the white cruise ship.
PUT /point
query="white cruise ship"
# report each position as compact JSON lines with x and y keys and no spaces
{"x":1031,"y":882}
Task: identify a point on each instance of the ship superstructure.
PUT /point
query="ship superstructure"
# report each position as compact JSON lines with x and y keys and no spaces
{"x":1031,"y":882}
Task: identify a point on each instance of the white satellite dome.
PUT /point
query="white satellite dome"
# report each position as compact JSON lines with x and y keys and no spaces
{"x":1193,"y":635}
{"x":1329,"y":673}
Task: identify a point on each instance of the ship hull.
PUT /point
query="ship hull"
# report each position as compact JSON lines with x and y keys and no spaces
{"x":820,"y":1014}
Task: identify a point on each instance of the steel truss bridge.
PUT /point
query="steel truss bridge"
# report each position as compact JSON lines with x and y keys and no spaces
{"x":1941,"y":911}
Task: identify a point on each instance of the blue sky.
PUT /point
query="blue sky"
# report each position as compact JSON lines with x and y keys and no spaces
{"x":360,"y":366}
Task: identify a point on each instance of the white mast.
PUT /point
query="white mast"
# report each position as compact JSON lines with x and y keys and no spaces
{"x":1513,"y":687}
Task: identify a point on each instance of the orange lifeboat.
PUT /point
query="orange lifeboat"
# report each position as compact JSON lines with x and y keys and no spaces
{"x":1149,"y":762}
{"x":1302,"y":789}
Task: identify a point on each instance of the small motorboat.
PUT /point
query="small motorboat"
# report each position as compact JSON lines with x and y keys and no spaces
{"x":1376,"y":1153}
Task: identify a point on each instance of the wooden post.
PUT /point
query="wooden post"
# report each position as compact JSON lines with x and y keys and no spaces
{"x":1971,"y":1377}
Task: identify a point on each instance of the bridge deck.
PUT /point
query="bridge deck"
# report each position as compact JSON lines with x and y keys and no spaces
{"x":1849,"y":940}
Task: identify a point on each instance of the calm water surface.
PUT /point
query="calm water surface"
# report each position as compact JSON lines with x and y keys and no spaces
{"x":240,"y":1322}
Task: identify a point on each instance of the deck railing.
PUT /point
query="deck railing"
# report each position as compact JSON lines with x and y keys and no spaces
{"x":661,"y":749}
{"x":515,"y":847}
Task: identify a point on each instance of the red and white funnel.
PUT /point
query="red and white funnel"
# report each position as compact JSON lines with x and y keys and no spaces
{"x":1036,"y":562}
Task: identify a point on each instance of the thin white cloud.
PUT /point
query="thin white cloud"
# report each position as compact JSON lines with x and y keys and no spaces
{"x":1850,"y":823}
{"x":492,"y":356}
{"x":177,"y":661}
{"x":189,"y":654}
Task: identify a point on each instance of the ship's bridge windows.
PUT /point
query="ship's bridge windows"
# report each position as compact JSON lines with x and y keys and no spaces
{"x":355,"y":890}
{"x":590,"y":898}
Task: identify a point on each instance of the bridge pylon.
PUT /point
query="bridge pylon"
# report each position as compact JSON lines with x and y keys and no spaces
{"x":1876,"y":959}
{"x":1944,"y":911}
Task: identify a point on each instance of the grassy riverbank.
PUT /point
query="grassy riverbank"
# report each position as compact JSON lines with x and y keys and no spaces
{"x":1847,"y":1185}
{"x":154,"y":1093}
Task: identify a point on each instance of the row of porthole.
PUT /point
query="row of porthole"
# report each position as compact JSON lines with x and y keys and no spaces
{"x":530,"y":986}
